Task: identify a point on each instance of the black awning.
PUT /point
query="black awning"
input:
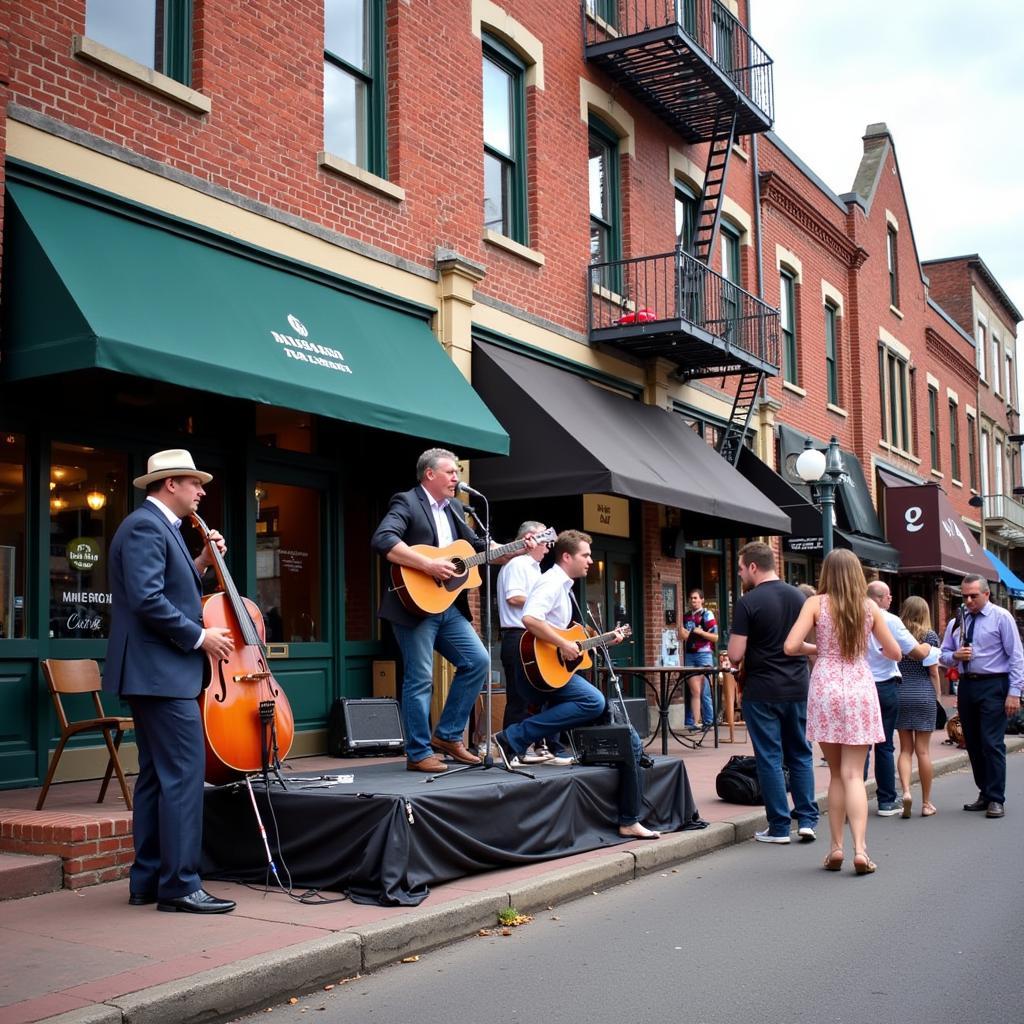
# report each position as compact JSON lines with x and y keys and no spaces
{"x":569,"y":436}
{"x":806,"y":518}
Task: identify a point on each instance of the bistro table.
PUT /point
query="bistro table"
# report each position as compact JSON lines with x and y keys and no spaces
{"x":669,"y":678}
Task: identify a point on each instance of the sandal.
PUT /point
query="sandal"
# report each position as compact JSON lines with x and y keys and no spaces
{"x":927,"y":810}
{"x":832,"y":862}
{"x":863,"y":864}
{"x":908,"y":802}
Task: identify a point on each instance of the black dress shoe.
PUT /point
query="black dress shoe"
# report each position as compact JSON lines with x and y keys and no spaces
{"x":978,"y":805}
{"x":140,"y":899}
{"x":198,"y":902}
{"x":994,"y":810}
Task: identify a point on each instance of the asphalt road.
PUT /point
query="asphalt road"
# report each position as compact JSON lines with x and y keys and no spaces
{"x":753,"y":932}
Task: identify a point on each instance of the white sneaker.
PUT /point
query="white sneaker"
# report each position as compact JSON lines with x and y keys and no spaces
{"x":767,"y":837}
{"x":536,"y":755}
{"x":807,"y":834}
{"x":559,"y":760}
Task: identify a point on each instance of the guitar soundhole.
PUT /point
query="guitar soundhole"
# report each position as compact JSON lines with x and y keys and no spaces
{"x":569,"y":663}
{"x":461,"y":572}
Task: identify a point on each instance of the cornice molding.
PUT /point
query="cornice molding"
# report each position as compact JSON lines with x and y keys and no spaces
{"x":950,"y":358}
{"x":778,"y":193}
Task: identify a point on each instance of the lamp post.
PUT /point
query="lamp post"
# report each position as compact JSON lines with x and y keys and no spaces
{"x":824,"y":470}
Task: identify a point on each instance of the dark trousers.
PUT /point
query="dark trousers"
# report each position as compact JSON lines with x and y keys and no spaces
{"x":981,"y":704}
{"x":885,"y":762}
{"x":167,"y":821}
{"x":519,"y":694}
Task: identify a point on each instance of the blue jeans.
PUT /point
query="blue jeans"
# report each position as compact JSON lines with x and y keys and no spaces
{"x":451,"y":634}
{"x":778,"y":732}
{"x":885,"y":763}
{"x":576,"y":703}
{"x":707,"y":709}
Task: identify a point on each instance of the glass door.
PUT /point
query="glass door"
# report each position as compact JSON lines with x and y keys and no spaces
{"x":612,"y":600}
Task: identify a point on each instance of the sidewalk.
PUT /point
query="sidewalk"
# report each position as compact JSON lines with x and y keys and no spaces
{"x":85,"y":957}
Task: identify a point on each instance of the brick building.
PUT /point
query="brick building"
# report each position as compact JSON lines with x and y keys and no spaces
{"x":291,"y":236}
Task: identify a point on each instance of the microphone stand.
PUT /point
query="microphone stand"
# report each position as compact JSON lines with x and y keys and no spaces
{"x":488,"y":758}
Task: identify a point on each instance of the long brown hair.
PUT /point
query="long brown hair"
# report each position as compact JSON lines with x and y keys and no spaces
{"x":842,"y":579}
{"x":917,"y":617}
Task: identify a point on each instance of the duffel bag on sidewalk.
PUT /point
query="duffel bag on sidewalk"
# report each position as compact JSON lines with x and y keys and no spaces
{"x":737,"y":782}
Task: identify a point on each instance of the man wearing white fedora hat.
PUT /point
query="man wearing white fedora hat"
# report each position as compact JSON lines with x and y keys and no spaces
{"x":155,"y":660}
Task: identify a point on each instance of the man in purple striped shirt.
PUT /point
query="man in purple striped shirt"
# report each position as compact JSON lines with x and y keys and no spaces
{"x":987,"y":646}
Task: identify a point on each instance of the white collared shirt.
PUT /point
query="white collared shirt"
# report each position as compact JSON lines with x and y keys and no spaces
{"x":441,"y":521}
{"x":549,"y":598}
{"x":175,"y":522}
{"x":517,"y":578}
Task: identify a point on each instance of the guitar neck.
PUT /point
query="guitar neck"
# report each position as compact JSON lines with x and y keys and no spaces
{"x":495,"y":553}
{"x":596,"y":641}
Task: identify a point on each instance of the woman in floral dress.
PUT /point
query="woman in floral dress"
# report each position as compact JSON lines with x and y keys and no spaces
{"x":842,"y":704}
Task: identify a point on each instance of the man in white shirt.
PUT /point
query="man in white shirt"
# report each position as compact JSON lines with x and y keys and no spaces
{"x":515,"y":581}
{"x":887,"y":678}
{"x":547,"y":610}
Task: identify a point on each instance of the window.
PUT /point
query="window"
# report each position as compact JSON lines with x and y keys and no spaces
{"x":88,"y":499}
{"x":997,"y":467}
{"x":896,"y":393}
{"x":933,"y":426}
{"x":156,"y":33}
{"x":831,"y":355}
{"x":354,"y":100}
{"x":723,"y":23}
{"x":605,"y":234}
{"x":980,"y":335}
{"x":995,"y":379}
{"x":787,"y":320}
{"x":984,"y":462}
{"x":882,"y":392}
{"x":1010,"y":391}
{"x":890,"y":253}
{"x":504,"y":142}
{"x":912,"y":445}
{"x":972,"y":455}
{"x":954,"y":442}
{"x":732,"y":304}
{"x":13,"y":547}
{"x":686,"y":216}
{"x":603,"y":9}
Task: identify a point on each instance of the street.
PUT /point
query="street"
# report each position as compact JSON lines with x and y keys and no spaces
{"x":750,"y":932}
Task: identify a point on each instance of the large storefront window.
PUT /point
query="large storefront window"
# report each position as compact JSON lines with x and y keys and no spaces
{"x":12,"y":536}
{"x":88,"y":499}
{"x":288,"y":562}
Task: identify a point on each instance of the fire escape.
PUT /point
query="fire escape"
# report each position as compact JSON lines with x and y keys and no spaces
{"x":697,"y":67}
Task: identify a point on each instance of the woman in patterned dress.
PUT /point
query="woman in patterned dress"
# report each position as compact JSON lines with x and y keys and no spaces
{"x":842,"y":704}
{"x":915,"y":720}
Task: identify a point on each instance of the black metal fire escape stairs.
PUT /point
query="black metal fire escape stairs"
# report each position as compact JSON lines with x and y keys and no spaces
{"x":702,"y":247}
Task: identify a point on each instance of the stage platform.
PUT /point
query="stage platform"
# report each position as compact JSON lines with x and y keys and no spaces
{"x":389,"y":835}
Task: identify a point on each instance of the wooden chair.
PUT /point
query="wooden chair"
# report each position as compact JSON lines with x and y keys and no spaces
{"x":65,"y":677}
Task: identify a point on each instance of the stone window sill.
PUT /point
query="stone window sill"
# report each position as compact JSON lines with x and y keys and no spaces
{"x":339,"y":165}
{"x":795,"y":388}
{"x":501,"y":241}
{"x":838,"y":410}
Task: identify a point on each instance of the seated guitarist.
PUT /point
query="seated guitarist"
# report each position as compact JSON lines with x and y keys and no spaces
{"x":577,"y":702}
{"x":429,"y":514}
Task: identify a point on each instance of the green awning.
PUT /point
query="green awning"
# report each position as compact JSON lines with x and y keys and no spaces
{"x":92,"y":286}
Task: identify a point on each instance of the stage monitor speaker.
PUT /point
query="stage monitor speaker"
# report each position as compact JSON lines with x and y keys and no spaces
{"x":673,"y":542}
{"x":603,"y":744}
{"x":357,"y":728}
{"x":636,"y":708}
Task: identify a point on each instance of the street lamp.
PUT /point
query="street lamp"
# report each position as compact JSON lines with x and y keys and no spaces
{"x":824,"y":470}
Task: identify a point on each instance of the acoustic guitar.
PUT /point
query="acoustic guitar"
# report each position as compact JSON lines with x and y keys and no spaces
{"x":421,"y":594}
{"x":547,"y":668}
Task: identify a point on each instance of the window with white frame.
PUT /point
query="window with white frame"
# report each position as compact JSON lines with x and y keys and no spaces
{"x":981,"y":334}
{"x":895,"y":393}
{"x":954,"y":441}
{"x":996,"y":363}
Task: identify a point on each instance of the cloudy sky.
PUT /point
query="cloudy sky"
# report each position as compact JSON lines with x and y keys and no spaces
{"x":946,"y":77}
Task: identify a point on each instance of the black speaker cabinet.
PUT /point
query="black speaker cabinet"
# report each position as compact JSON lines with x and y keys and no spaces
{"x":358,"y":728}
{"x":636,"y":708}
{"x":603,"y":744}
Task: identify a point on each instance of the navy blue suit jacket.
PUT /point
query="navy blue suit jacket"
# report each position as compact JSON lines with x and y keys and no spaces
{"x":409,"y":519}
{"x":156,"y":613}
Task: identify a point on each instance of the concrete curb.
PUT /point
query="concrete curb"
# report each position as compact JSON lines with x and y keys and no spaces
{"x":249,"y":985}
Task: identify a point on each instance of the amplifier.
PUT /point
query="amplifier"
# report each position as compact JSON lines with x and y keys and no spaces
{"x":603,"y":744}
{"x":636,"y":708}
{"x":357,"y":728}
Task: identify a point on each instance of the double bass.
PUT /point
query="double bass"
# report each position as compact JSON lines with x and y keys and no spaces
{"x":247,"y":720}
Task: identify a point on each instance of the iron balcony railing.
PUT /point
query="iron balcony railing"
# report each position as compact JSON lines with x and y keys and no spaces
{"x":636,"y":301}
{"x":707,"y":24}
{"x":1010,"y":511}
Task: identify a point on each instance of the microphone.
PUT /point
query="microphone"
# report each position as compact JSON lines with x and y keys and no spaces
{"x":472,"y":492}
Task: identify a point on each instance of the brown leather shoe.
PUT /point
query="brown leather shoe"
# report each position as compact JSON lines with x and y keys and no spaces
{"x":455,"y":749}
{"x":429,"y":765}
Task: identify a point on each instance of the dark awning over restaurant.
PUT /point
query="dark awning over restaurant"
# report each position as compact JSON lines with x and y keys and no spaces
{"x":569,"y":436}
{"x":806,"y":518}
{"x":931,"y":537}
{"x":93,"y":284}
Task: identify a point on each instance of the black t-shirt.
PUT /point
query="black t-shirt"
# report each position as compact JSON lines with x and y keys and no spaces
{"x":765,"y":615}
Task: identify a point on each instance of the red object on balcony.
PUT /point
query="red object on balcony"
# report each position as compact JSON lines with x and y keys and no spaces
{"x":640,"y":316}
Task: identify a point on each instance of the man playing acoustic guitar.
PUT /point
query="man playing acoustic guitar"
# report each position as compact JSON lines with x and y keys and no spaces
{"x":430,"y":515}
{"x":548,"y":609}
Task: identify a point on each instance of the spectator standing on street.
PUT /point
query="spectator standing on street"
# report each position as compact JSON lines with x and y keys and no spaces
{"x":991,"y":665}
{"x":886,"y":673}
{"x":774,"y":693}
{"x":842,"y":705}
{"x":699,"y":633}
{"x":918,"y":695}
